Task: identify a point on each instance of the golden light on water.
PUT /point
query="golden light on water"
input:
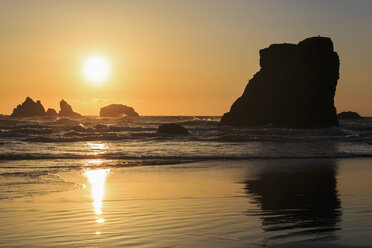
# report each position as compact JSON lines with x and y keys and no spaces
{"x":97,"y":179}
{"x":93,"y":162}
{"x":97,"y":148}
{"x":100,"y":220}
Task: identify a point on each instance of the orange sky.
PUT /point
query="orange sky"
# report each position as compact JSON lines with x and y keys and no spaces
{"x":169,"y":57}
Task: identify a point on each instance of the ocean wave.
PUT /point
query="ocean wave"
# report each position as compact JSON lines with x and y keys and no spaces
{"x":27,"y":125}
{"x":73,"y":136}
{"x":121,"y":156}
{"x":31,"y":131}
{"x":129,"y":129}
{"x":64,"y":121}
{"x":25,"y":139}
{"x":76,"y":137}
{"x":35,"y":173}
{"x":199,"y":123}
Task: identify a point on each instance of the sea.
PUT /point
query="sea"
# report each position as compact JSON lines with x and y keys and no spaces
{"x":115,"y":182}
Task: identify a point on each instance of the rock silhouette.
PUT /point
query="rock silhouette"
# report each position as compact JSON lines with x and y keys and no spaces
{"x":117,"y":110}
{"x":349,"y":115}
{"x":173,"y":129}
{"x":66,"y":110}
{"x":51,"y":112}
{"x":29,"y":108}
{"x":294,"y":88}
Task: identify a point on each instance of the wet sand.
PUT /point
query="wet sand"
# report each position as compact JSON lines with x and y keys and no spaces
{"x":255,"y":203}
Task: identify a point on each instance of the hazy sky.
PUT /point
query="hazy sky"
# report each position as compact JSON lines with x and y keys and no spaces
{"x":170,"y":57}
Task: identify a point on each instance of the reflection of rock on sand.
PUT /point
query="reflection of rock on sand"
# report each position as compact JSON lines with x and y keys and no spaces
{"x":298,"y":200}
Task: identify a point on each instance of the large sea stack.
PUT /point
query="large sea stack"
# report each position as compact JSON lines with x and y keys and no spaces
{"x":294,"y":88}
{"x":29,"y":108}
{"x":66,"y":110}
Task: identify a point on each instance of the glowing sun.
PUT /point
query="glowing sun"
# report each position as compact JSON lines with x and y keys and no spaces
{"x":96,"y":69}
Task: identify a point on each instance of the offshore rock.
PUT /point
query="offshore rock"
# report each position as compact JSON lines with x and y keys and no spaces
{"x":172,"y":129}
{"x":66,"y":110}
{"x":349,"y":115}
{"x":294,"y":88}
{"x":117,"y":110}
{"x":51,"y":112}
{"x":29,"y":108}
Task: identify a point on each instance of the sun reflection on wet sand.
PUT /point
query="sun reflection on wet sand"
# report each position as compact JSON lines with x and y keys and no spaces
{"x":97,"y":180}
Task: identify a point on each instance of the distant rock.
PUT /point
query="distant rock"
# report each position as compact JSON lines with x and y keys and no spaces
{"x":294,"y":88}
{"x":117,"y":110}
{"x":349,"y":115}
{"x":66,"y":110}
{"x":29,"y":108}
{"x":173,"y":129}
{"x":51,"y":112}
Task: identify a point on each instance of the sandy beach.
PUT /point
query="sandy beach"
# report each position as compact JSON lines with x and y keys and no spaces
{"x":246,"y":203}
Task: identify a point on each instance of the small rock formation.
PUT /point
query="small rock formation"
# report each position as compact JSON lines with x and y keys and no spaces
{"x":117,"y":110}
{"x":294,"y":88}
{"x":29,"y":108}
{"x":51,"y":112}
{"x":173,"y":129}
{"x":66,"y":110}
{"x":349,"y":115}
{"x":79,"y":128}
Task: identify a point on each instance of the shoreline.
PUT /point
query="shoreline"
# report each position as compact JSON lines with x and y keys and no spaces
{"x":184,"y":204}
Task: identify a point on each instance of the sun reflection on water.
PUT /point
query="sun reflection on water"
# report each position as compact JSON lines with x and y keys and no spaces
{"x":97,"y":180}
{"x":97,"y":148}
{"x":93,"y":163}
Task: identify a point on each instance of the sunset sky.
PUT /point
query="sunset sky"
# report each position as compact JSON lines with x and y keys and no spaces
{"x":170,"y":57}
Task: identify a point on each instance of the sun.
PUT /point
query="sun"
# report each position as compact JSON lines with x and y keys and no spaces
{"x":96,"y":69}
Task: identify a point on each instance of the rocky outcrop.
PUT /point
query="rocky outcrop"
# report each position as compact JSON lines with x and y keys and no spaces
{"x":117,"y":110}
{"x":66,"y":110}
{"x":349,"y":115}
{"x":172,"y":129}
{"x":294,"y":88}
{"x":29,"y":108}
{"x":51,"y":112}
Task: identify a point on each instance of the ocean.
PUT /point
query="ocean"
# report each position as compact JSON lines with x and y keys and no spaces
{"x":113,"y":182}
